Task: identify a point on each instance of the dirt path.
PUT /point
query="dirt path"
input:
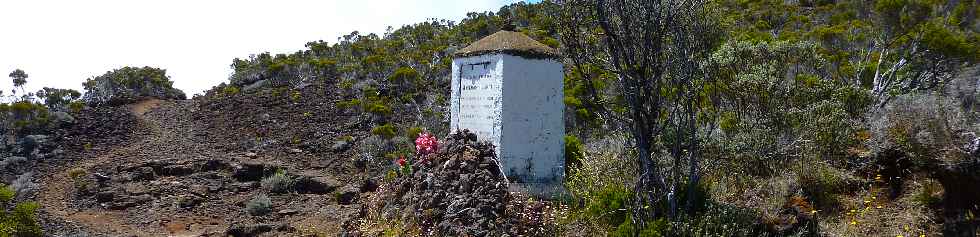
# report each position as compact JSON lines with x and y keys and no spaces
{"x":165,"y":130}
{"x":181,"y":173}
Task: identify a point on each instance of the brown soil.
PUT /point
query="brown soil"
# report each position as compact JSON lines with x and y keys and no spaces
{"x":188,"y":168}
{"x":142,"y":107}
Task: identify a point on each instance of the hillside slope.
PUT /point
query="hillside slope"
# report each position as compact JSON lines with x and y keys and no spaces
{"x":190,"y":167}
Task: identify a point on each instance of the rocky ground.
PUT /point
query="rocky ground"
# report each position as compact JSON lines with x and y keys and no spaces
{"x":205,"y":166}
{"x":189,"y":168}
{"x":458,"y":191}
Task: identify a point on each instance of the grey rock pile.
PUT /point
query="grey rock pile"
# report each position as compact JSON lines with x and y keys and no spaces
{"x":459,"y":192}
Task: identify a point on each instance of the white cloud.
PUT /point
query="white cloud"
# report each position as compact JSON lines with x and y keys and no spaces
{"x":60,"y":43}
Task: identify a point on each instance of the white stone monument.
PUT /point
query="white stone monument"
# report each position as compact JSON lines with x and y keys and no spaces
{"x":507,"y":89}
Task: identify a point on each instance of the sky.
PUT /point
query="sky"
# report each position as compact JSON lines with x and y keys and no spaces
{"x":60,"y":43}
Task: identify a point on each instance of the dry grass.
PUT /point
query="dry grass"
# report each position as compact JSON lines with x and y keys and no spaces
{"x":870,"y":213}
{"x":866,"y":211}
{"x":604,"y":164}
{"x":766,"y":195}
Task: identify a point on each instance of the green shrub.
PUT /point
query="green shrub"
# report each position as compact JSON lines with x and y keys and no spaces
{"x":406,"y":97}
{"x":700,"y":199}
{"x":230,"y":90}
{"x":7,"y":194}
{"x":21,"y":221}
{"x":347,"y":138}
{"x":413,"y":132}
{"x":394,"y":231}
{"x":276,"y":67}
{"x":600,"y":188}
{"x":610,"y":205}
{"x":718,"y":220}
{"x":440,"y":99}
{"x":79,"y":178}
{"x":276,"y":92}
{"x":27,"y":116}
{"x":386,"y":131}
{"x":390,"y":176}
{"x":550,"y":42}
{"x":822,"y":184}
{"x":728,"y":122}
{"x":653,"y":229}
{"x":324,"y":63}
{"x":76,"y":106}
{"x":349,"y":104}
{"x":22,"y":108}
{"x":127,"y":84}
{"x":279,"y":182}
{"x":573,"y":152}
{"x":377,"y":108}
{"x":926,"y":195}
{"x":404,"y":75}
{"x":58,"y":99}
{"x":372,"y":60}
{"x":259,"y":205}
{"x":346,"y":84}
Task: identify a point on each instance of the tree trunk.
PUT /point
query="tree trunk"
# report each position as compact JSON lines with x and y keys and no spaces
{"x":693,"y":177}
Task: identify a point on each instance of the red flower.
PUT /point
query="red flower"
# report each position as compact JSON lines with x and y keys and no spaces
{"x":426,"y":144}
{"x":401,"y":161}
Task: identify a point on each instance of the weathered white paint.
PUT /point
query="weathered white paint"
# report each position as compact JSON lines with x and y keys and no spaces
{"x":532,"y":142}
{"x":515,"y":103}
{"x":476,"y":96}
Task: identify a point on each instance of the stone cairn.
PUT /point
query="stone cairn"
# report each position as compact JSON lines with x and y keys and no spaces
{"x":458,"y":192}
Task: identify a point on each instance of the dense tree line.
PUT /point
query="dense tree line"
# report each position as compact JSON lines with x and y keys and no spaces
{"x":785,"y":82}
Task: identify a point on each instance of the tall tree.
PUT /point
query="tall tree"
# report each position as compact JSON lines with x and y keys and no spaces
{"x":918,"y":45}
{"x":659,"y":51}
{"x":19,"y":78}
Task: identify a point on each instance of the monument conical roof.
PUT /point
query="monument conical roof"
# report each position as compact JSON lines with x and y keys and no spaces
{"x":509,"y":42}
